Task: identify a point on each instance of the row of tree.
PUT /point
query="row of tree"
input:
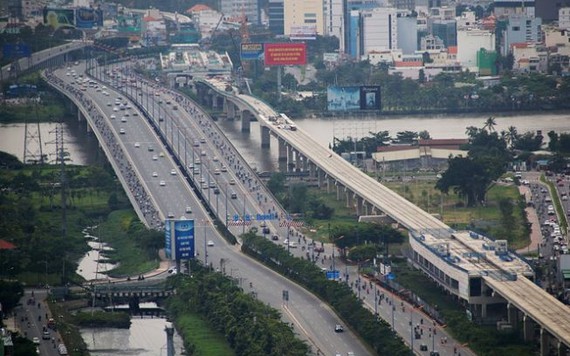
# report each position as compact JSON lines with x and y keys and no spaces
{"x":250,"y":327}
{"x":375,"y":331}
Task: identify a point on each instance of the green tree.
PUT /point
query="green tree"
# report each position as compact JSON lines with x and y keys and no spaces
{"x":466,"y":177}
{"x":276,"y":183}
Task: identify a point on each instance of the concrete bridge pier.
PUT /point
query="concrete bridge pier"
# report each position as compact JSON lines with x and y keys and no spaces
{"x":528,"y":328}
{"x":283,"y":150}
{"x":218,"y":102}
{"x":562,"y":349}
{"x":512,"y":314}
{"x":312,"y":169}
{"x":339,"y":187}
{"x":80,"y":116}
{"x":359,"y":205}
{"x":265,"y":137}
{"x":246,"y":117}
{"x":229,"y":109}
{"x":368,"y":208}
{"x":298,"y":161}
{"x":330,"y":184}
{"x":544,"y":349}
{"x":290,"y":158}
{"x":320,"y":178}
{"x":305,"y":166}
{"x":349,"y":198}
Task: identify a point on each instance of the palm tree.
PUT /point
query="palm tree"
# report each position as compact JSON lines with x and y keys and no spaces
{"x":511,"y":136}
{"x":490,"y":124}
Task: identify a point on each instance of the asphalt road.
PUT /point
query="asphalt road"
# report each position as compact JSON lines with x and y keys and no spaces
{"x":313,"y":320}
{"x":30,"y":318}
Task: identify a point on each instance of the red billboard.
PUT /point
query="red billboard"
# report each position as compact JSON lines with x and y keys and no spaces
{"x":285,"y":54}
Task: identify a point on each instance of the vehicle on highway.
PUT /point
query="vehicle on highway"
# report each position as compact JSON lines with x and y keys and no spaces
{"x":224,"y":168}
{"x":137,"y":145}
{"x":173,"y":172}
{"x":217,"y":171}
{"x":113,"y":116}
{"x":233,"y":195}
{"x":202,"y":140}
{"x":232,"y":181}
{"x":216,"y":191}
{"x":212,"y":184}
{"x":154,"y":157}
{"x":154,"y":174}
{"x":210,"y":243}
{"x":150,"y":148}
{"x":123,"y":119}
{"x":36,"y":340}
{"x":170,"y":215}
{"x":266,"y":230}
{"x":338,"y":328}
{"x":275,"y":237}
{"x":122,"y":131}
{"x":162,"y":183}
{"x":188,"y":210}
{"x":46,"y":335}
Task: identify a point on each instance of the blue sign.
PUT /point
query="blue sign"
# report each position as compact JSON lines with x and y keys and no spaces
{"x":391,"y":276}
{"x":271,"y":216}
{"x":88,"y":18}
{"x":251,"y":51}
{"x":333,"y":275}
{"x":12,"y":51}
{"x":179,"y":239}
{"x":167,"y":239}
{"x":183,"y":239}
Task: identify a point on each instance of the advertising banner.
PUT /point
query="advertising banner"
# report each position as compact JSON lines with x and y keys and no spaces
{"x":285,"y":54}
{"x":343,"y":98}
{"x":352,"y":98}
{"x":370,"y":98}
{"x":57,"y":18}
{"x":304,"y":32}
{"x":130,"y":23}
{"x":251,"y":51}
{"x":179,"y":239}
{"x":88,"y":18}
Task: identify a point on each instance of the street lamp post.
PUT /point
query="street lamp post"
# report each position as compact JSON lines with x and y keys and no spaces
{"x":205,"y":246}
{"x":412,"y":328}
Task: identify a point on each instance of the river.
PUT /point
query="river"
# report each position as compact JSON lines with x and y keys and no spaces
{"x":82,"y":147}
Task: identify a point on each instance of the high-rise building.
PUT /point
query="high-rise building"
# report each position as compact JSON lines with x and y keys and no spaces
{"x":334,"y":19}
{"x":275,"y":12}
{"x":407,"y":33}
{"x":352,"y":23}
{"x":504,"y":8}
{"x":404,"y":4}
{"x":303,"y":15}
{"x":469,"y":42}
{"x":564,"y":18}
{"x":379,"y":29}
{"x":521,"y":29}
{"x":548,"y":10}
{"x":236,"y":8}
{"x":446,"y":30}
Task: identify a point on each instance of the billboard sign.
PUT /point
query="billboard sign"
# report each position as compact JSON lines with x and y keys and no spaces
{"x":333,"y":275}
{"x":351,"y":98}
{"x":57,"y":18}
{"x":304,"y":32}
{"x":285,"y":54}
{"x":330,"y":57}
{"x":18,"y":50}
{"x":88,"y":18}
{"x":179,"y":239}
{"x":251,"y":51}
{"x":130,"y":23}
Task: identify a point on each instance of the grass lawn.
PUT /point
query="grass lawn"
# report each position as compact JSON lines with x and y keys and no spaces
{"x":198,"y":333}
{"x":133,"y":260}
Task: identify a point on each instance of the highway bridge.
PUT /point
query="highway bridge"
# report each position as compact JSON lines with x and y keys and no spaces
{"x":160,"y":185}
{"x":479,"y":271}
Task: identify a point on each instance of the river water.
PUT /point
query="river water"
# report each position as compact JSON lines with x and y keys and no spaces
{"x":145,"y":337}
{"x":82,"y":147}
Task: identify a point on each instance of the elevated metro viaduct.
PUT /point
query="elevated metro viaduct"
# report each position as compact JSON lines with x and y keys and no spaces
{"x":480,"y":272}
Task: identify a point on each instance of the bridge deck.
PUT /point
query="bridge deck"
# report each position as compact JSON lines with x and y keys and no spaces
{"x":536,"y":303}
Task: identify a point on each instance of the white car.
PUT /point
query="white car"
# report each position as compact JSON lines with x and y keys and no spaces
{"x":162,"y":183}
{"x":122,"y":131}
{"x":188,"y":210}
{"x":154,"y":174}
{"x":154,"y":157}
{"x":123,"y":119}
{"x":109,"y":104}
{"x":173,"y":172}
{"x":232,"y":181}
{"x":113,"y":117}
{"x":137,"y":145}
{"x":115,"y":109}
{"x":210,"y":243}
